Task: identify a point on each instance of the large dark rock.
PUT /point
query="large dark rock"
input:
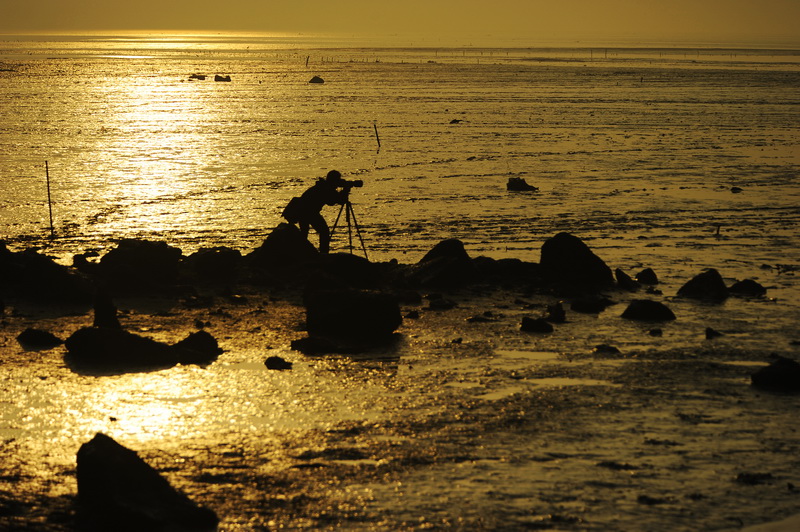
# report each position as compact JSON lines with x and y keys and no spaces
{"x":625,"y":282}
{"x":352,"y":315}
{"x":567,"y":260}
{"x":348,"y":270}
{"x":446,"y":265}
{"x":708,"y":285}
{"x":648,"y":310}
{"x":114,"y":350}
{"x":284,"y":250}
{"x":105,"y":312}
{"x":32,"y":276}
{"x":217,"y":265}
{"x":135,"y":264}
{"x":110,"y":350}
{"x":117,"y":490}
{"x":783,"y":375}
{"x":647,"y":276}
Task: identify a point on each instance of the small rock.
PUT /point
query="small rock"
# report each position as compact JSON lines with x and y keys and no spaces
{"x":36,"y":339}
{"x":316,"y":79}
{"x":711,"y":333}
{"x":275,"y":362}
{"x":605,"y":349}
{"x":590,"y":304}
{"x":748,"y":287}
{"x":647,"y":276}
{"x":536,"y":325}
{"x":518,"y":184}
{"x":200,"y":347}
{"x":625,"y":282}
{"x":655,"y":332}
{"x":556,"y":313}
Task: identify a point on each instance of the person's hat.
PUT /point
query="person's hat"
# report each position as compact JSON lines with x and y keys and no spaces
{"x":334,"y":176}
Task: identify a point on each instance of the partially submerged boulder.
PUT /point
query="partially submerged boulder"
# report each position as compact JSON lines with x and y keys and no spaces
{"x":647,"y":276}
{"x":110,"y":350}
{"x":707,"y":285}
{"x":747,"y":288}
{"x":117,"y":490}
{"x":518,"y":184}
{"x":352,"y":316}
{"x":31,"y":276}
{"x":783,"y":375}
{"x":284,"y":250}
{"x":648,"y":310}
{"x":217,"y":264}
{"x":136,"y":264}
{"x":446,"y":265}
{"x":625,"y":282}
{"x":567,"y":260}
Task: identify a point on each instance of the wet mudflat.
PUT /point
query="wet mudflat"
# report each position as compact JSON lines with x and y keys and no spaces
{"x":460,"y":424}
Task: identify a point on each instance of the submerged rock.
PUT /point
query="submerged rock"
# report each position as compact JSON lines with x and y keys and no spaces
{"x":316,"y":79}
{"x":590,"y":304}
{"x":648,"y":310}
{"x":708,"y":285}
{"x":117,"y":490}
{"x":566,"y":259}
{"x":277,"y":363}
{"x":783,"y":375}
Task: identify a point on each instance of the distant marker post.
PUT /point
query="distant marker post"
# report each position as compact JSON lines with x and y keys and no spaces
{"x":377,"y":137}
{"x":49,"y":200}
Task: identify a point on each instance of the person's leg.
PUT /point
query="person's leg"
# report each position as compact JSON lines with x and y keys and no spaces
{"x":321,"y":227}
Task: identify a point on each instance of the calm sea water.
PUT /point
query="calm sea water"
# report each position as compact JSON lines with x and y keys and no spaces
{"x":635,"y":150}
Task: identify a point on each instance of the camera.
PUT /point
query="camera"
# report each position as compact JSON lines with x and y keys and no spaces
{"x":357,"y":183}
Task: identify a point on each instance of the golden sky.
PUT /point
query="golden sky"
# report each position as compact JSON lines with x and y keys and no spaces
{"x":704,"y":21}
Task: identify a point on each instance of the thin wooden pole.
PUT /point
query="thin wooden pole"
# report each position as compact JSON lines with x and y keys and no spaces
{"x":49,"y":200}
{"x":377,"y":137}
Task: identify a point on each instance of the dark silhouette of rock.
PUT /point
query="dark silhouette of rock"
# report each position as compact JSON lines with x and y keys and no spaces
{"x":277,"y":363}
{"x":37,"y":339}
{"x":648,"y":310}
{"x":220,"y":77}
{"x":748,"y":287}
{"x":446,"y":265}
{"x":783,"y":375}
{"x":625,"y":282}
{"x":115,"y":350}
{"x":284,"y":250}
{"x":707,"y":285}
{"x":105,"y":312}
{"x":200,"y":347}
{"x":556,"y":313}
{"x":136,"y":264}
{"x":647,"y":276}
{"x":218,"y":264}
{"x":347,"y":269}
{"x":605,"y":349}
{"x":316,"y":79}
{"x":711,"y":333}
{"x":567,"y":260}
{"x":590,"y":304}
{"x":119,"y":491}
{"x":35,"y":277}
{"x":535,"y":325}
{"x":355,"y":316}
{"x":518,"y":184}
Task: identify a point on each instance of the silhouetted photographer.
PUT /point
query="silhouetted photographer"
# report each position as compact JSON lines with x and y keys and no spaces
{"x":306,"y":210}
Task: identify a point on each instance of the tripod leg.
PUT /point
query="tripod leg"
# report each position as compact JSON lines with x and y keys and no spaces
{"x":337,"y":219}
{"x":358,"y":232}
{"x":349,"y":227}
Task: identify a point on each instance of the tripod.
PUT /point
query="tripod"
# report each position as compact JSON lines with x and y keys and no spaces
{"x":349,"y":214}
